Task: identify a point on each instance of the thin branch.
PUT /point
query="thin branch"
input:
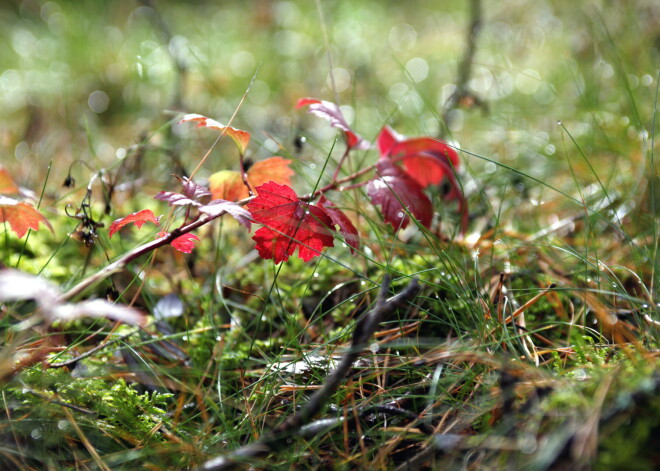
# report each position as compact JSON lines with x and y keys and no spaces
{"x":335,"y":184}
{"x":341,"y":162}
{"x":293,"y":424}
{"x":464,"y":67}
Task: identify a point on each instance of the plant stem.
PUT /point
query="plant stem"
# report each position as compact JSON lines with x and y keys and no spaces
{"x":336,"y":183}
{"x":241,"y":163}
{"x":341,"y":162}
{"x":464,"y":67}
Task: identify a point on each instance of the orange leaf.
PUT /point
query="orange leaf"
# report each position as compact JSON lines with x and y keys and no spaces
{"x":241,"y":138}
{"x":20,"y":216}
{"x":7,"y":184}
{"x":228,"y":185}
{"x":139,"y":218}
{"x":274,"y":169}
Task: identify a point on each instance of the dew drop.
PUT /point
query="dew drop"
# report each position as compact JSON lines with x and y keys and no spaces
{"x":558,"y":123}
{"x":645,"y":306}
{"x":36,"y":434}
{"x":62,"y":424}
{"x":98,"y":101}
{"x":580,"y":374}
{"x":528,"y":444}
{"x":399,"y":214}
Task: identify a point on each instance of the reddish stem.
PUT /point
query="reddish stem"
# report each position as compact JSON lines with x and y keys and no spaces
{"x":341,"y":162}
{"x":244,"y":175}
{"x":335,"y":184}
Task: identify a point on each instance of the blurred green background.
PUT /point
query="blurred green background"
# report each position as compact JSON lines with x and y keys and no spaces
{"x":85,"y":79}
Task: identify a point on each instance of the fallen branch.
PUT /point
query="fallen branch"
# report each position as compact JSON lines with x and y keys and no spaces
{"x":293,"y":424}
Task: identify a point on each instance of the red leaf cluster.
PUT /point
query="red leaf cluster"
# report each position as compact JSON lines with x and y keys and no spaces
{"x":192,"y":193}
{"x":291,"y":224}
{"x":399,"y":189}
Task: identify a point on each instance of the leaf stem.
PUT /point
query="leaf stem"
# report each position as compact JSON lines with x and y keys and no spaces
{"x":341,"y":162}
{"x":335,"y":183}
{"x":241,"y":163}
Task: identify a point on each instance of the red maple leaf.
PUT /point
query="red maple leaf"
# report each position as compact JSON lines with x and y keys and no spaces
{"x":139,"y":218}
{"x":289,"y":224}
{"x":331,"y":112}
{"x":395,"y":190}
{"x":184,"y":243}
{"x":20,"y":216}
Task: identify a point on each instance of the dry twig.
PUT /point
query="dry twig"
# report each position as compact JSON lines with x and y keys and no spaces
{"x":293,"y":424}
